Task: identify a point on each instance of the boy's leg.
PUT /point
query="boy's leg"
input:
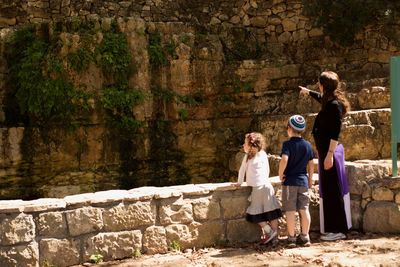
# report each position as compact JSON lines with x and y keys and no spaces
{"x":305,"y":221}
{"x":290,"y":222}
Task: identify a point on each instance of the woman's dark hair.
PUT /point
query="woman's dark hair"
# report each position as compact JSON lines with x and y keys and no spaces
{"x":332,"y":90}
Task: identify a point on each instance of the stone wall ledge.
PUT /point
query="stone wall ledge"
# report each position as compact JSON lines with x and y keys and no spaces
{"x":117,"y":223}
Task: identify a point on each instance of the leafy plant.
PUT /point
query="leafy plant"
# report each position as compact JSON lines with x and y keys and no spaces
{"x":118,"y":102}
{"x":342,"y":20}
{"x":114,"y":56}
{"x":183,"y":114}
{"x":81,"y":59}
{"x":96,"y":258}
{"x":241,"y":86}
{"x":43,"y":92}
{"x":137,"y":253}
{"x":156,"y":52}
{"x":175,"y":246}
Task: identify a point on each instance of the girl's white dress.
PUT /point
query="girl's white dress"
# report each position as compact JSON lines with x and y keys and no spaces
{"x":264,"y":206}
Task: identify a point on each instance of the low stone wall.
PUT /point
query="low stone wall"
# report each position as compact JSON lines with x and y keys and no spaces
{"x":119,"y":224}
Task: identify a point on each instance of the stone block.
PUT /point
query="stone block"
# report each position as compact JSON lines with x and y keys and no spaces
{"x":155,"y":240}
{"x":179,"y":233}
{"x":175,"y":211}
{"x":382,"y":194}
{"x":208,"y":233}
{"x":113,"y":245}
{"x":356,"y":214}
{"x":16,"y":228}
{"x":52,"y":224}
{"x":382,"y":217}
{"x":129,"y":216}
{"x":242,"y":231}
{"x":397,"y":198}
{"x":84,"y":220}
{"x":234,"y":207}
{"x":59,"y":252}
{"x":206,"y":209}
{"x":26,"y":255}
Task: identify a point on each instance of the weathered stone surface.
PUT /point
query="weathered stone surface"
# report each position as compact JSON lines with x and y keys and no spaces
{"x":10,"y":206}
{"x":382,"y":217}
{"x":234,"y":207}
{"x":44,"y":204}
{"x":175,"y":211}
{"x":16,"y":228}
{"x":208,"y":233}
{"x":375,"y":97}
{"x":179,"y":233}
{"x":52,"y":224}
{"x":84,"y":220}
{"x":155,"y":240}
{"x":356,"y":214}
{"x":242,"y":231}
{"x":206,"y":209}
{"x":383,"y":194}
{"x":114,"y":245}
{"x":129,"y":216}
{"x":59,"y":252}
{"x":24,"y":255}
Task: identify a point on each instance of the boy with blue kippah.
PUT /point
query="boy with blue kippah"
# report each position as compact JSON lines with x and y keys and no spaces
{"x":296,"y":157}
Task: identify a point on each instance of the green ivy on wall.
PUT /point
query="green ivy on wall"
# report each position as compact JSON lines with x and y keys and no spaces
{"x":342,"y":20}
{"x":40,"y":75}
{"x":43,"y":92}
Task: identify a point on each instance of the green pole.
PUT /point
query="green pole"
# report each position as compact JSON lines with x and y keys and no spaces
{"x":395,"y":109}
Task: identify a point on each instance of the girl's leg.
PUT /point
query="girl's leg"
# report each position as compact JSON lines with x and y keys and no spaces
{"x":290,"y":222}
{"x":265,"y":227}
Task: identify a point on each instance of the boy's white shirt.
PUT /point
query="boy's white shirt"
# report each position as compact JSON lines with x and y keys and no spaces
{"x":256,"y":170}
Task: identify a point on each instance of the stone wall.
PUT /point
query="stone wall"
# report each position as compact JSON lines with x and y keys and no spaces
{"x":244,"y":58}
{"x":122,"y":223}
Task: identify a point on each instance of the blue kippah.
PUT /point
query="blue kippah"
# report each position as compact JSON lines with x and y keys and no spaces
{"x":297,"y":122}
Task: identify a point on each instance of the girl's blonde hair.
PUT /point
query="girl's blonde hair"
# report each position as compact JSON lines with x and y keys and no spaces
{"x":256,"y":142}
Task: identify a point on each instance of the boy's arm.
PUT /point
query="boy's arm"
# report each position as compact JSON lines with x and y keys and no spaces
{"x":282,"y":166}
{"x":310,"y":172}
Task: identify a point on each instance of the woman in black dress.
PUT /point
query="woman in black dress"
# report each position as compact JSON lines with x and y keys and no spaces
{"x":335,"y":216}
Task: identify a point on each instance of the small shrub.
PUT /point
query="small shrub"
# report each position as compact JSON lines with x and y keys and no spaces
{"x":175,"y":246}
{"x":96,"y":258}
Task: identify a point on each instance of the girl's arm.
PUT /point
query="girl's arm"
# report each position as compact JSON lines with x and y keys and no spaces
{"x":242,"y":170}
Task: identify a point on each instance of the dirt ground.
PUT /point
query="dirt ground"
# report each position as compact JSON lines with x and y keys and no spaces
{"x":357,"y":250}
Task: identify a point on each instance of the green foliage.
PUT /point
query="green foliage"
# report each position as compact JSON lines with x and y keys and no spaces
{"x":241,"y":86}
{"x":114,"y":56}
{"x":175,"y":246}
{"x":47,"y":263}
{"x":43,"y":92}
{"x":183,"y":114}
{"x":96,"y":258}
{"x":118,"y":103}
{"x":157,"y":54}
{"x":342,"y":20}
{"x":81,"y":59}
{"x":137,"y":253}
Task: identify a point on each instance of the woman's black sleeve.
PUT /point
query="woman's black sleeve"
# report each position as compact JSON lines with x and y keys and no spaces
{"x":334,"y":112}
{"x":317,"y":96}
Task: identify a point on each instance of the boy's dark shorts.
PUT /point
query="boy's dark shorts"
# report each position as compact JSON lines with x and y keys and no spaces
{"x":295,"y":198}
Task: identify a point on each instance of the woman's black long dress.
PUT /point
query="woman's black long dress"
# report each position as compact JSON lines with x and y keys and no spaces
{"x":335,"y":216}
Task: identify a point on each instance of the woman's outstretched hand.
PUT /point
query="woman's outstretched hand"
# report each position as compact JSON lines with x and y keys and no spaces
{"x":303,"y":90}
